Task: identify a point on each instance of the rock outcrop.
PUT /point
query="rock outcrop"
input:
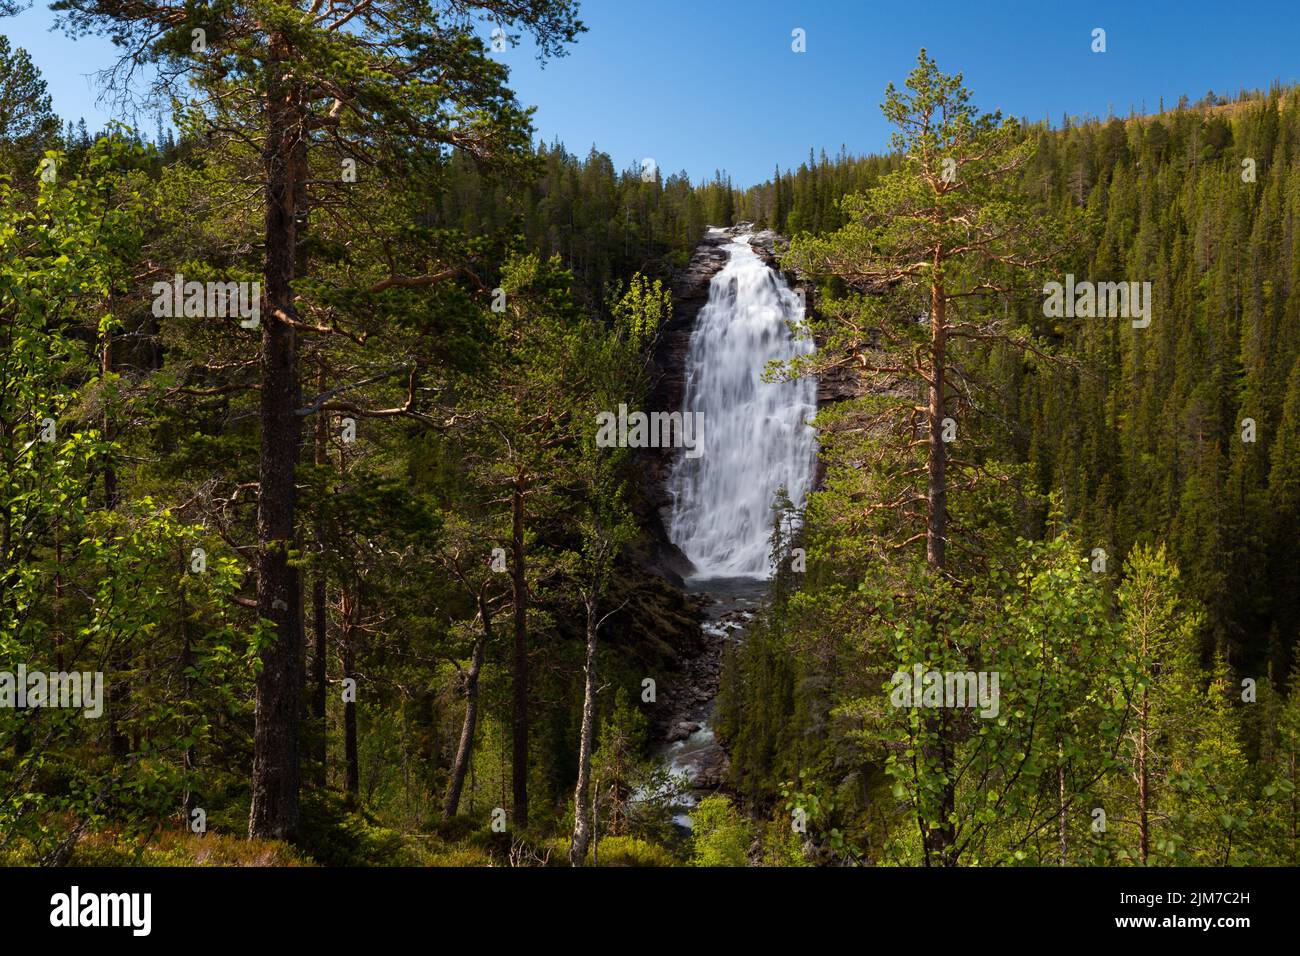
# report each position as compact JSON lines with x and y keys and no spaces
{"x":690,"y":290}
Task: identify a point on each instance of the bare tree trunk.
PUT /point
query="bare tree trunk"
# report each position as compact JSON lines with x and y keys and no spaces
{"x":519,"y":580}
{"x":57,"y":610}
{"x":582,"y":817}
{"x":320,"y":678}
{"x":466,"y":747}
{"x":6,"y":523}
{"x":274,"y":813}
{"x":119,"y":745}
{"x":595,"y":825}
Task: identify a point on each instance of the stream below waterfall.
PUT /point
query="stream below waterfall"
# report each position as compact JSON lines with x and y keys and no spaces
{"x":756,"y":440}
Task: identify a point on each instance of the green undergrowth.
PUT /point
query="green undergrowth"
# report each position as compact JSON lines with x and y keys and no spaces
{"x":335,"y":834}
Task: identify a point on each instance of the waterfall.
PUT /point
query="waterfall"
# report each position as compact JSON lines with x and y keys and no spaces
{"x":756,"y":436}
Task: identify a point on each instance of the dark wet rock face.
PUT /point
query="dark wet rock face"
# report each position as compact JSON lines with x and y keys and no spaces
{"x":836,"y":385}
{"x":690,"y":288}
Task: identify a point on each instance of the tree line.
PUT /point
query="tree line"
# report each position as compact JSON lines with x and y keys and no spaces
{"x":1097,"y":509}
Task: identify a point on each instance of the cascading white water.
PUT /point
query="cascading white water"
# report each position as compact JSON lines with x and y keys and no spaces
{"x":756,"y":436}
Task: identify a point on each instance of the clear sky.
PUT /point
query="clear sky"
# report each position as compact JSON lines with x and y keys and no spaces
{"x":701,"y":85}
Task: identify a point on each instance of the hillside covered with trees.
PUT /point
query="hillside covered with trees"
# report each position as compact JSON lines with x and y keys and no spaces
{"x":300,"y":399}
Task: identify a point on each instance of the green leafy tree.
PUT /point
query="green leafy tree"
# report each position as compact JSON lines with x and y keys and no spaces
{"x":721,"y":835}
{"x":84,"y":577}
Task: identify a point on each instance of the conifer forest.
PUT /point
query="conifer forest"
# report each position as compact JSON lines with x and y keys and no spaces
{"x":387,"y":481}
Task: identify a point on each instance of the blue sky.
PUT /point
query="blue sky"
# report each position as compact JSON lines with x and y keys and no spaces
{"x":701,"y":85}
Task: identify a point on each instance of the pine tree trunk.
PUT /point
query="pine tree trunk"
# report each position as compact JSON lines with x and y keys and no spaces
{"x":936,"y":528}
{"x":110,"y":473}
{"x":119,"y":695}
{"x":941,"y":838}
{"x":320,"y":624}
{"x":57,"y":610}
{"x":351,"y":610}
{"x":320,"y":678}
{"x":581,"y":809}
{"x":119,"y":690}
{"x":275,"y":782}
{"x":519,"y":580}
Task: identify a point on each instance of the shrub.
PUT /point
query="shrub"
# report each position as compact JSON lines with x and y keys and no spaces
{"x":722,"y":837}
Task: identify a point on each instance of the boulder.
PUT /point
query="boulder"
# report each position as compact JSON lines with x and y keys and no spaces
{"x":681,"y":730}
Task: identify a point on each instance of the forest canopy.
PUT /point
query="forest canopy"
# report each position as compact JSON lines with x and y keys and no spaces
{"x":302,"y":478}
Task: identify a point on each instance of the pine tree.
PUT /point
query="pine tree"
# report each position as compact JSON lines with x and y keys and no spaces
{"x":304,"y":90}
{"x":935,"y":235}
